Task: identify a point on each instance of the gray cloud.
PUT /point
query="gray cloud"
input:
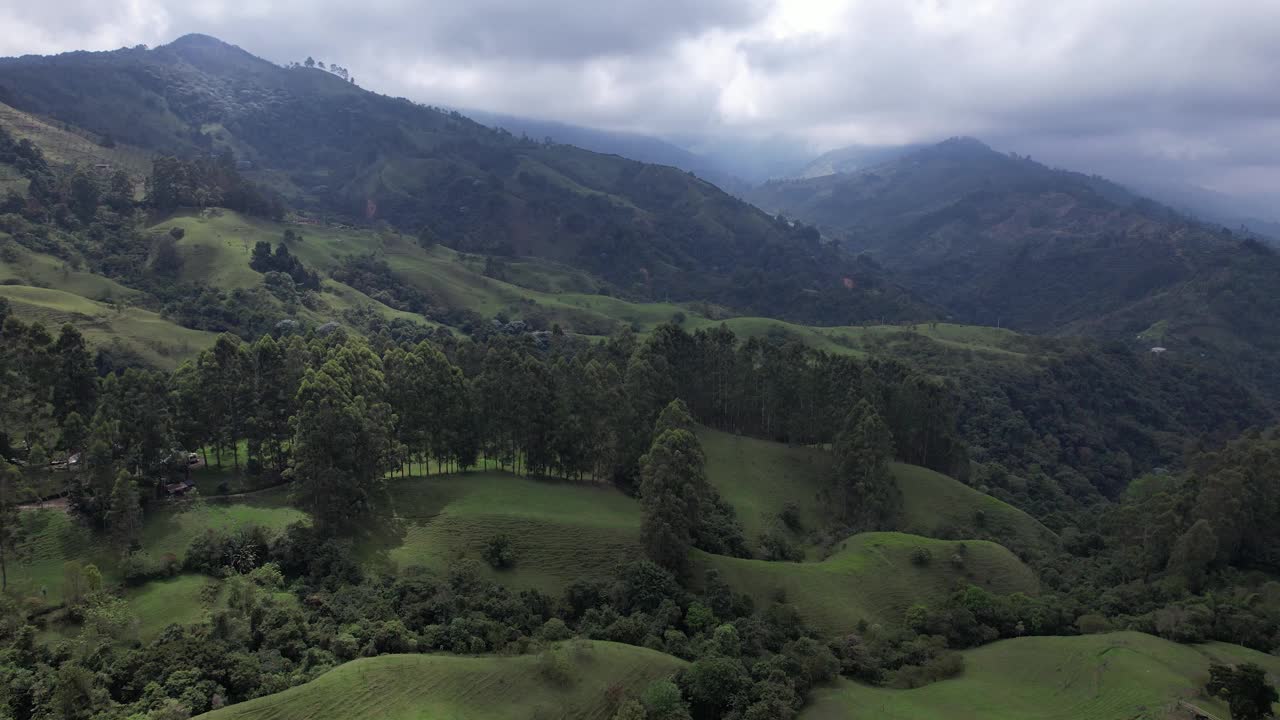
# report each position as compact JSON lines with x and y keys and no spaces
{"x":1139,"y":87}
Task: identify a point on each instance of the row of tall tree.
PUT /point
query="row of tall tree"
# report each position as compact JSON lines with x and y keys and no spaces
{"x":338,"y":413}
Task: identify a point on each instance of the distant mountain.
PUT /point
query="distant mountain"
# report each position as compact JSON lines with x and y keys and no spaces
{"x":330,"y":147}
{"x":998,"y":239}
{"x":851,"y":159}
{"x":634,"y":146}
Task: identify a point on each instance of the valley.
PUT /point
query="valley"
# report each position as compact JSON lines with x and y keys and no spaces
{"x":321,"y":403}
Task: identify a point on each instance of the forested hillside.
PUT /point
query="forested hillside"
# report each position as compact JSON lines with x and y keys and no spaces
{"x":1002,"y":240}
{"x":333,"y":149}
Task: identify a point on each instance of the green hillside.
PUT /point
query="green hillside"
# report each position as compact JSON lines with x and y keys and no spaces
{"x":415,"y":687}
{"x":52,"y":537}
{"x":561,"y":532}
{"x":761,"y":478}
{"x":939,"y":506}
{"x":1120,"y":676}
{"x":650,"y":231}
{"x":157,"y":341}
{"x":872,"y":577}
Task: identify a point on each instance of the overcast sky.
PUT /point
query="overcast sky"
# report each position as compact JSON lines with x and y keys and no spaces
{"x":1181,"y":89}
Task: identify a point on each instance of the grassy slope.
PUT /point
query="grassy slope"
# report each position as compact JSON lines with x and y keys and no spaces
{"x":170,"y":530}
{"x":53,"y":537}
{"x":176,"y":601}
{"x":1118,"y":676}
{"x":410,"y":687}
{"x":939,"y":506}
{"x":759,"y":478}
{"x":871,"y":577}
{"x":159,"y":342}
{"x":561,"y":531}
{"x":217,"y":247}
{"x":65,"y":147}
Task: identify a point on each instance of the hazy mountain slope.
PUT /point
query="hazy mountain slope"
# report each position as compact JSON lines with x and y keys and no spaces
{"x":852,"y":158}
{"x":331,"y":147}
{"x":999,"y":239}
{"x":634,"y":146}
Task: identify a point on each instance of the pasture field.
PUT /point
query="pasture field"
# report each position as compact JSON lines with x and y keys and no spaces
{"x":1116,"y":676}
{"x":158,"y":341}
{"x":561,"y":531}
{"x":415,"y":687}
{"x":872,"y":577}
{"x":761,"y":478}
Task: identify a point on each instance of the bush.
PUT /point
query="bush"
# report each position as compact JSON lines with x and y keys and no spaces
{"x":921,"y":557}
{"x":499,"y":553}
{"x":777,"y":547}
{"x":177,"y":233}
{"x":554,"y":665}
{"x":663,"y":701}
{"x":790,"y":516}
{"x":555,"y":629}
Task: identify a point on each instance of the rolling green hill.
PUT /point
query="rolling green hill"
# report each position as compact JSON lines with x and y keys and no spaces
{"x":561,"y":532}
{"x":939,"y":506}
{"x":157,"y":341}
{"x":871,"y":577}
{"x":412,"y":687}
{"x":53,"y":537}
{"x":761,"y":478}
{"x":334,"y":149}
{"x":1119,"y":676}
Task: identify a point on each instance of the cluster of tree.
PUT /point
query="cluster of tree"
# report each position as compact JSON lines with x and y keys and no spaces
{"x":1067,"y":423}
{"x":680,"y":508}
{"x":282,"y":261}
{"x":334,"y":68}
{"x":372,"y":276}
{"x":207,"y":182}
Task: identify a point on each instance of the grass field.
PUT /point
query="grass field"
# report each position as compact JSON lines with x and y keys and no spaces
{"x":936,"y":505}
{"x":61,"y":146}
{"x":561,"y":531}
{"x":871,"y":577}
{"x":170,"y":530}
{"x":51,"y":538}
{"x":759,"y":478}
{"x":158,"y":341}
{"x":441,"y":687}
{"x":177,"y":601}
{"x":1118,"y":676}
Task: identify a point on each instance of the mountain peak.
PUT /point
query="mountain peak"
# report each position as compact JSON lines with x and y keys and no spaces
{"x":200,"y":40}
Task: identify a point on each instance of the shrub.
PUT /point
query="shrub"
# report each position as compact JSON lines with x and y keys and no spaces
{"x":663,"y":701}
{"x":555,"y":629}
{"x":499,"y":553}
{"x":554,"y":665}
{"x":1092,"y":624}
{"x":779,"y":548}
{"x":177,"y":233}
{"x":790,"y":516}
{"x":921,"y":557}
